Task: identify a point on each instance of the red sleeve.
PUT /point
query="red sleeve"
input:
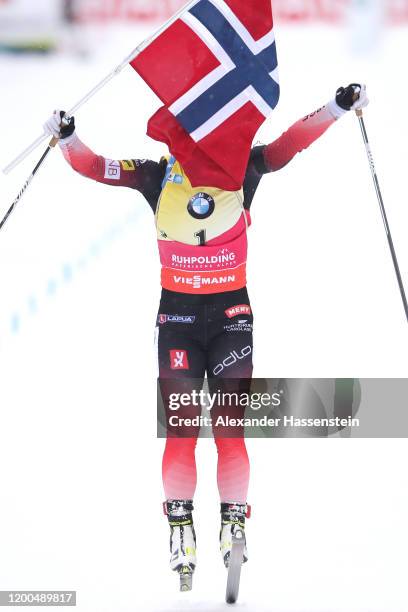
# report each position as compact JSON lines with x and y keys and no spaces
{"x":119,"y":173}
{"x":144,"y":175}
{"x":300,"y":136}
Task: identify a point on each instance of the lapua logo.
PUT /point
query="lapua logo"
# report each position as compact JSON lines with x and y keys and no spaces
{"x":163,"y":318}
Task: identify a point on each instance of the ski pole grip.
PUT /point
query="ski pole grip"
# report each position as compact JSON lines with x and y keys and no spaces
{"x":53,"y":141}
{"x":66,"y":119}
{"x":359,"y":112}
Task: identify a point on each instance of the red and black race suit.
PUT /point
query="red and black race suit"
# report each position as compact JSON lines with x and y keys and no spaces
{"x":206,"y":326}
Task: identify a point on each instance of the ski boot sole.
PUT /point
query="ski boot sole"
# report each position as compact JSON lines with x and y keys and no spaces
{"x":186,"y":579}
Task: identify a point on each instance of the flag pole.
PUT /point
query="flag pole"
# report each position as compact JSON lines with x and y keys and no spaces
{"x":102,"y":83}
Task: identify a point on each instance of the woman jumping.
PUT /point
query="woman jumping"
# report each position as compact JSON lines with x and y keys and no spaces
{"x":205,"y":322}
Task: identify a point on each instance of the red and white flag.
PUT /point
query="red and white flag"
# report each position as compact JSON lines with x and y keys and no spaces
{"x":215,"y":70}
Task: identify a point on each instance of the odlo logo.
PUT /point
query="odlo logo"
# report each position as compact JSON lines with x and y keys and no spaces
{"x":179,"y":360}
{"x":232,"y":358}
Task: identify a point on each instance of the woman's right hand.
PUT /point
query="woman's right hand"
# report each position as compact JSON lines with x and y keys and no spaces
{"x":59,"y":125}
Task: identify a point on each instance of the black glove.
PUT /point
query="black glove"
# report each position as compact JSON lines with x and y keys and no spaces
{"x":352,"y":97}
{"x":58,"y":126}
{"x":67,"y":125}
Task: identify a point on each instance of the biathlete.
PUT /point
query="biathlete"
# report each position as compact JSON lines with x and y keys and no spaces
{"x":205,"y":320}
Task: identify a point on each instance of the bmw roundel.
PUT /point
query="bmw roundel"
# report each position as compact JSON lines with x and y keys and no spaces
{"x":201,"y":206}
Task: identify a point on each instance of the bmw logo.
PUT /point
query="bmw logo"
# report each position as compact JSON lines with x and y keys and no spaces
{"x":201,"y":206}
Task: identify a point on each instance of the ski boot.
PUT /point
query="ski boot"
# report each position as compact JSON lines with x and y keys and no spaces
{"x":233,"y":527}
{"x":182,"y":540}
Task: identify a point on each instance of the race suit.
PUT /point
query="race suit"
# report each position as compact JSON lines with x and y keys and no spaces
{"x":205,"y":321}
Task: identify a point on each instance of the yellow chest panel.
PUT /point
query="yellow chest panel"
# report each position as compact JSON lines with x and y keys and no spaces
{"x":194,"y":215}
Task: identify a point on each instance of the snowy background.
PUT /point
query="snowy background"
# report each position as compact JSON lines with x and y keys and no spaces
{"x":80,"y":485}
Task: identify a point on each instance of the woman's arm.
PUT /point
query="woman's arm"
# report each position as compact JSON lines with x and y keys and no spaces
{"x":119,"y":173}
{"x":298,"y":137}
{"x":304,"y":132}
{"x":144,"y":175}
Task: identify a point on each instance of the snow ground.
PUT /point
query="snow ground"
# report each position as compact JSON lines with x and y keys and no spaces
{"x":80,"y":466}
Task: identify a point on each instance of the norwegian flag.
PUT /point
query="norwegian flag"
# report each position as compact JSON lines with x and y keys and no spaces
{"x":215,"y":70}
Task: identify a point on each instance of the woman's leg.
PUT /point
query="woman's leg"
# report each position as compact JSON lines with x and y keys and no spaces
{"x":181,"y":371}
{"x":230,"y":372}
{"x":179,"y":468}
{"x":233,"y":463}
{"x":233,"y":470}
{"x":181,"y":363}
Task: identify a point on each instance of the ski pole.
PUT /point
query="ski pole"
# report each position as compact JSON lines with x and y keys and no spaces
{"x":359,"y":114}
{"x":24,"y":188}
{"x":102,"y":83}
